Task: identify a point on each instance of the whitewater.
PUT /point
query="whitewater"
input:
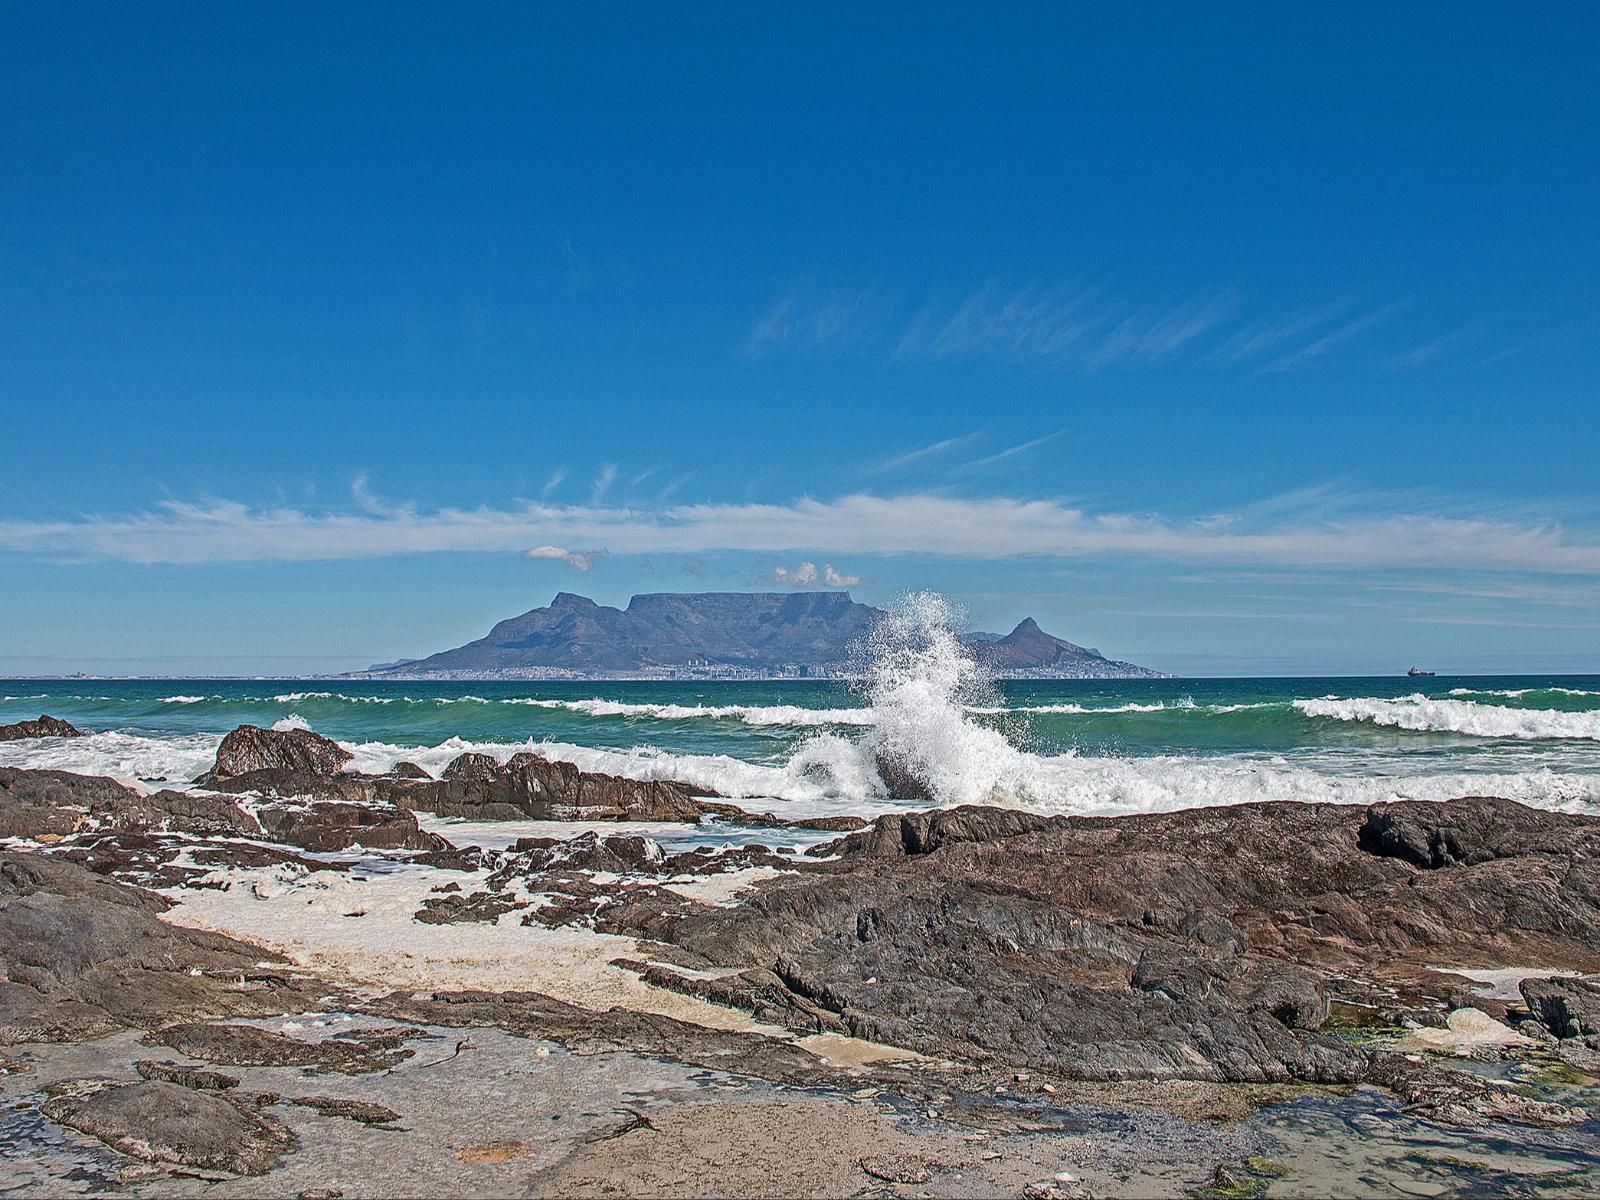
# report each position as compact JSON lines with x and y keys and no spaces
{"x":921,"y":704}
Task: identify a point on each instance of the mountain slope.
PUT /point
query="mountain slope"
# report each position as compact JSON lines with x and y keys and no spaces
{"x":717,"y":632}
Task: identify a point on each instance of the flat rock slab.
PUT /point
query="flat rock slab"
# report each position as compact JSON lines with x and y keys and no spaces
{"x":247,"y":1046}
{"x":161,"y":1122}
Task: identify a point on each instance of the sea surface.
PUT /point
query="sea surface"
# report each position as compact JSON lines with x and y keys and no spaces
{"x":1102,"y":747}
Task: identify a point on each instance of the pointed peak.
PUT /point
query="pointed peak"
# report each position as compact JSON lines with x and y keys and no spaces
{"x":1026,"y":625}
{"x":571,"y":600}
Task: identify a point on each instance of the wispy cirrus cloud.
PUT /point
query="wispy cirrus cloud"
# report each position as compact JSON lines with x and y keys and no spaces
{"x":857,"y":524}
{"x":1426,"y":352}
{"x":920,"y":454}
{"x":603,"y":480}
{"x":1080,"y":326}
{"x":1328,"y":341}
{"x":803,"y":322}
{"x":1010,"y":452}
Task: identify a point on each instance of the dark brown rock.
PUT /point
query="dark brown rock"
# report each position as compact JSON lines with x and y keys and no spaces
{"x":364,"y":1111}
{"x":1205,"y":944}
{"x":248,"y":1046}
{"x":529,"y":786}
{"x":470,"y":767}
{"x":52,"y":804}
{"x":193,"y":1077}
{"x":249,"y":748}
{"x":161,"y":1122}
{"x":45,"y":726}
{"x":1568,"y":1008}
{"x":82,"y":956}
{"x":331,"y":825}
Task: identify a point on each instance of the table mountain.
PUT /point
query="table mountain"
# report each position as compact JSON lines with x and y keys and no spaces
{"x":712,"y":633}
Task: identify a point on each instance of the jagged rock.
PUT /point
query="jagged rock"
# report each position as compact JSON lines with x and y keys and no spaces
{"x":81,"y":956}
{"x":247,"y":1046}
{"x":456,"y":909}
{"x":408,"y":770}
{"x":300,"y":764}
{"x":529,"y":786}
{"x":472,"y":766}
{"x":329,"y":826}
{"x":162,"y":1122}
{"x":901,"y":781}
{"x":249,"y":748}
{"x":365,"y":1111}
{"x":985,"y":933}
{"x":192,"y":1077}
{"x":1568,"y":1008}
{"x":49,"y":805}
{"x":45,"y":726}
{"x":837,"y":823}
{"x":1464,"y":832}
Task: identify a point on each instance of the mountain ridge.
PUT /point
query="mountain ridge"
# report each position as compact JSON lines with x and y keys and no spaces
{"x":719,"y":634}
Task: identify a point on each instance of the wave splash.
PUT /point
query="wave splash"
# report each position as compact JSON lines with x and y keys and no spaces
{"x":1423,"y":714}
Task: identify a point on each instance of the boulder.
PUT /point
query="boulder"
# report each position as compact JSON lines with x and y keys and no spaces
{"x":249,"y":748}
{"x":528,"y":786}
{"x":45,"y":726}
{"x":331,"y":826}
{"x":161,"y":1122}
{"x":472,"y":767}
{"x":55,"y":804}
{"x":81,"y":956}
{"x":1568,"y":1008}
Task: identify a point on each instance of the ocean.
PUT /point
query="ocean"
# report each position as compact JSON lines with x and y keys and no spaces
{"x":1077,"y":746}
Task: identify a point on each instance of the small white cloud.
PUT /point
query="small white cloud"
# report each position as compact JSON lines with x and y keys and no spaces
{"x":806,"y":575}
{"x":834,"y":579}
{"x":802,"y":576}
{"x":578,"y":560}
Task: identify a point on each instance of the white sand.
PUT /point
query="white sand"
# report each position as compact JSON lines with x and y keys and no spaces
{"x":1503,"y":983}
{"x":359,"y":926}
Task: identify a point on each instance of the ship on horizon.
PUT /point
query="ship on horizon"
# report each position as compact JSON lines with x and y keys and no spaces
{"x":1419,"y":673}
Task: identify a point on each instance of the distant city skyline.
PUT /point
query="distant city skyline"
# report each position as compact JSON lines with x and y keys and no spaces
{"x":330,"y":338}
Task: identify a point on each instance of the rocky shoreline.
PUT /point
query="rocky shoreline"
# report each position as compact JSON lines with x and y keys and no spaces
{"x":966,"y":1000}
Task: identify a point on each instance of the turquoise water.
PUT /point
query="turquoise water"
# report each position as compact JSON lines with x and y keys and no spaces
{"x":1091,"y":745}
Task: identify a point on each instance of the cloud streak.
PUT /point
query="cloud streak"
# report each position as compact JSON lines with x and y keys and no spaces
{"x":1073,"y":326}
{"x":931,"y":450}
{"x":1010,"y":452}
{"x":975,"y":528}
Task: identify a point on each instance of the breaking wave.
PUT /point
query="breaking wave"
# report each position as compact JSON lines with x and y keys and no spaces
{"x":794,"y":715}
{"x":1422,"y":714}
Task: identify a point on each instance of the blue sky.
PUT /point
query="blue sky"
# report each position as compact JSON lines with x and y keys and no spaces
{"x":1252,"y":340}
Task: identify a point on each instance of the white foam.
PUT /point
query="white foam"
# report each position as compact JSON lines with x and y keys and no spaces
{"x":1424,"y":714}
{"x":362,"y":927}
{"x":297,"y":697}
{"x":292,"y":722}
{"x":121,"y":755}
{"x":749,"y":714}
{"x":1514,"y":693}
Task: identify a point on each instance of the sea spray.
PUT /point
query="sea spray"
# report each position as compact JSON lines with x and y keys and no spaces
{"x":922,"y":681}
